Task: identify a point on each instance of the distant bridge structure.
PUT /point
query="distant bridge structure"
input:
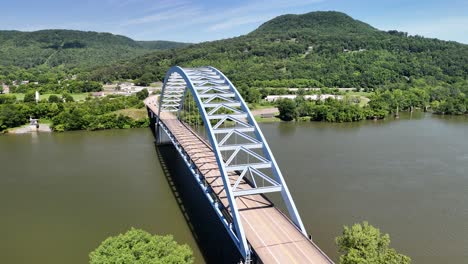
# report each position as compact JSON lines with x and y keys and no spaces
{"x":203,"y":115}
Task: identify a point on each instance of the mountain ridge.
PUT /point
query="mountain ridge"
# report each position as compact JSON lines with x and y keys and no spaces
{"x":326,"y":48}
{"x":72,"y":48}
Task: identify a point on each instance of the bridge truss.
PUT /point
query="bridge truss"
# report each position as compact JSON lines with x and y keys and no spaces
{"x":235,"y":138}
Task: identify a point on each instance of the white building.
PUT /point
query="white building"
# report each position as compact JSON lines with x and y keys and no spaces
{"x":131,"y":88}
{"x":315,"y":97}
{"x":6,"y":88}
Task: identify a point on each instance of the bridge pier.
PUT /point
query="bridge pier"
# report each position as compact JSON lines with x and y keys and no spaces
{"x":152,"y":119}
{"x":213,"y":241}
{"x":159,"y":135}
{"x":161,"y":138}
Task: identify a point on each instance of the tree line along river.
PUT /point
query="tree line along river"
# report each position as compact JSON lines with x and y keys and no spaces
{"x":61,"y":194}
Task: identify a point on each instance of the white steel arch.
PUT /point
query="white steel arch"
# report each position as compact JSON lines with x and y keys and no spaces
{"x":225,"y":115}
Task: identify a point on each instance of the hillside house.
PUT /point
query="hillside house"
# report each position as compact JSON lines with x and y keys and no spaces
{"x":315,"y":97}
{"x":6,"y":88}
{"x":98,"y":94}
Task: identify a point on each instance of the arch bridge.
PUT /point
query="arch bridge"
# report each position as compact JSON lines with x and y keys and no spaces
{"x":203,"y":115}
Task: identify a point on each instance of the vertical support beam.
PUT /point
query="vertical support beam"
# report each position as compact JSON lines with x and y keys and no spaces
{"x":181,"y":105}
{"x":158,"y":133}
{"x":293,"y":212}
{"x":243,"y":245}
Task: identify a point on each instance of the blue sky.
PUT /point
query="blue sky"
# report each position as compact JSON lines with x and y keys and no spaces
{"x":196,"y":21}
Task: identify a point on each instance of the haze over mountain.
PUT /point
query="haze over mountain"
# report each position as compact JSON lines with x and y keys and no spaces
{"x":325,"y":48}
{"x":71,"y":48}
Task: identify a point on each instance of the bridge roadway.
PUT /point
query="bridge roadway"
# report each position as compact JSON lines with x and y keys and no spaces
{"x":273,"y":237}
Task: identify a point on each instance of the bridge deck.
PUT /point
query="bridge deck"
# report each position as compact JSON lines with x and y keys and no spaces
{"x":273,"y":237}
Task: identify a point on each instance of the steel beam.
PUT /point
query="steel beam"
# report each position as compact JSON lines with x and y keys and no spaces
{"x":213,"y":91}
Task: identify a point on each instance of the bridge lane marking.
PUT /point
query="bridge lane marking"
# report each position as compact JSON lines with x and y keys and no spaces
{"x":287,"y":234}
{"x":260,"y":238}
{"x":275,"y":223}
{"x":280,"y":243}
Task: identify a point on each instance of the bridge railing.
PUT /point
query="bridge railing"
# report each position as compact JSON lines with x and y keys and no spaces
{"x":233,"y":135}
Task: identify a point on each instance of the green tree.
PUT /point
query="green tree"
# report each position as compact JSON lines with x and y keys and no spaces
{"x":145,"y":79}
{"x":141,"y":95}
{"x":29,"y":97}
{"x":67,"y":97}
{"x":53,"y":110}
{"x":364,"y":244}
{"x":7,"y":99}
{"x":54,"y":99}
{"x":12,"y":115}
{"x":287,"y":110}
{"x":139,"y":247}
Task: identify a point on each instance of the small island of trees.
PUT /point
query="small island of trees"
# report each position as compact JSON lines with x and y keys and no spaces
{"x":360,"y":244}
{"x":140,"y":247}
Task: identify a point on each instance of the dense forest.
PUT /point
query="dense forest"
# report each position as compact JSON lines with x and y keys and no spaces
{"x":71,"y":48}
{"x":328,"y":49}
{"x":162,"y":44}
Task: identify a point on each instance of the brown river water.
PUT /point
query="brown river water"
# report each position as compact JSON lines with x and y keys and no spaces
{"x":61,"y":194}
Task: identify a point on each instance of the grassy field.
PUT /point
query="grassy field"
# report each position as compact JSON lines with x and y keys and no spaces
{"x":45,"y":121}
{"x":262,"y":105}
{"x":133,"y":113}
{"x":77,"y":97}
{"x":365,"y":94}
{"x":364,"y":101}
{"x":267,"y":119}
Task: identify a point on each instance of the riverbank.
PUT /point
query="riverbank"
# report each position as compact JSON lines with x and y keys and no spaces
{"x":68,"y":115}
{"x":271,"y":114}
{"x":263,"y":115}
{"x":266,"y":115}
{"x":29,"y":129}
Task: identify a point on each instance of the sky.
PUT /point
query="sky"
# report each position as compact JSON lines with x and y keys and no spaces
{"x":205,"y":20}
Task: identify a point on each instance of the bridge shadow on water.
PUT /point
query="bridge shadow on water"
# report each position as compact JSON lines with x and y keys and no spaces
{"x":208,"y":231}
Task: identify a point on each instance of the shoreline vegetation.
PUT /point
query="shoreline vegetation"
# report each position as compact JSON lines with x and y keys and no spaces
{"x":65,"y":114}
{"x":381,"y":104}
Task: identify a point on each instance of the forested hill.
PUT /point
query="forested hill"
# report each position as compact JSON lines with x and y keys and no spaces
{"x":71,"y":48}
{"x":324,"y":23}
{"x":162,"y":44}
{"x":315,"y":49}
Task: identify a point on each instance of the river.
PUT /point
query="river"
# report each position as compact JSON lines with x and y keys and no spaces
{"x":61,"y":194}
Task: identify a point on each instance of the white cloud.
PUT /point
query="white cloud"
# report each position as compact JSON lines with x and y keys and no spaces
{"x":265,"y":5}
{"x":166,"y":4}
{"x":447,"y":28}
{"x":180,"y":14}
{"x":173,"y":14}
{"x":188,"y":20}
{"x":238,"y":21}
